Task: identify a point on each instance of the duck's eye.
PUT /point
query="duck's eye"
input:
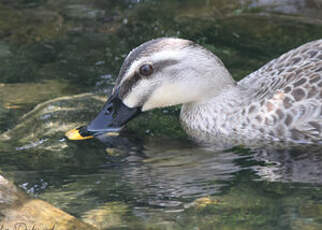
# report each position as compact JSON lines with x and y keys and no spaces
{"x":146,"y":70}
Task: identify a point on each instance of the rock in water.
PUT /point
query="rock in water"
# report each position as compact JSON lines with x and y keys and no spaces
{"x":18,"y":211}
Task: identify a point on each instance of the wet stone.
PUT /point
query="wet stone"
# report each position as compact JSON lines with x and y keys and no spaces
{"x":18,"y":211}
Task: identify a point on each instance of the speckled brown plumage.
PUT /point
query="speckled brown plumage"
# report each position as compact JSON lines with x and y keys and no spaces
{"x":280,"y":101}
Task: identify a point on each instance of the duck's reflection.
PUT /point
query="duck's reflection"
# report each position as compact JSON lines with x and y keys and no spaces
{"x":185,"y":164}
{"x":166,"y":173}
{"x":297,"y":164}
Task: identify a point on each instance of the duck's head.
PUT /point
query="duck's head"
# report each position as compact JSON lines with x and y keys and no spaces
{"x":160,"y":73}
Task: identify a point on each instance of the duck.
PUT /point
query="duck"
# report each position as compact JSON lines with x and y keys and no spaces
{"x":280,"y":102}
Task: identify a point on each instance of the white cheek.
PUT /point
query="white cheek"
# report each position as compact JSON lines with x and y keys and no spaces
{"x":162,"y":96}
{"x":138,"y":92}
{"x":169,"y":94}
{"x":130,"y":101}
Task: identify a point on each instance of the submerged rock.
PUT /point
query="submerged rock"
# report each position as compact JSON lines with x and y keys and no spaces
{"x":107,"y":216}
{"x":24,"y":95}
{"x":53,"y":118}
{"x":18,"y":211}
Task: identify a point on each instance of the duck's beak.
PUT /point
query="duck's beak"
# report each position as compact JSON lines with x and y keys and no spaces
{"x":114,"y":115}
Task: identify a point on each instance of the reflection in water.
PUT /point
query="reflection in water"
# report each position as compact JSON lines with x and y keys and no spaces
{"x":163,"y":174}
{"x":170,"y":176}
{"x":166,"y":173}
{"x":301,"y":164}
{"x":129,"y":181}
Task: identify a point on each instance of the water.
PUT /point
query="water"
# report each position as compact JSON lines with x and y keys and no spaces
{"x":152,"y":176}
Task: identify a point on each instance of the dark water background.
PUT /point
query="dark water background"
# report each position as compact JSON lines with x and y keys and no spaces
{"x":152,"y":176}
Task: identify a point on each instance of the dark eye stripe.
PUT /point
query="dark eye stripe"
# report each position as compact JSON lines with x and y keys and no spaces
{"x":148,"y":48}
{"x":141,"y":51}
{"x":129,"y":83}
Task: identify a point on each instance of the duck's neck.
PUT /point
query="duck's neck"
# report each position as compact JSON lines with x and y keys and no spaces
{"x":216,"y":117}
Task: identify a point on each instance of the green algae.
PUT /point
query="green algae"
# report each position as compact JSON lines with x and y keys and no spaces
{"x":25,"y":26}
{"x":163,"y":122}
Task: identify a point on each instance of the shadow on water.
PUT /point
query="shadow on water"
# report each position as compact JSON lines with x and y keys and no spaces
{"x":151,"y":176}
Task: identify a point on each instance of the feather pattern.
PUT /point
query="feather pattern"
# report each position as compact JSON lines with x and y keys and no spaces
{"x":280,"y":101}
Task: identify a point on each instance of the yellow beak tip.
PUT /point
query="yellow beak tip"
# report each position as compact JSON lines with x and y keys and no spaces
{"x":74,"y":135}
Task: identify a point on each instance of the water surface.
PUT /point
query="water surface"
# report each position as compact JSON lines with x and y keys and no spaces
{"x":152,"y":176}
